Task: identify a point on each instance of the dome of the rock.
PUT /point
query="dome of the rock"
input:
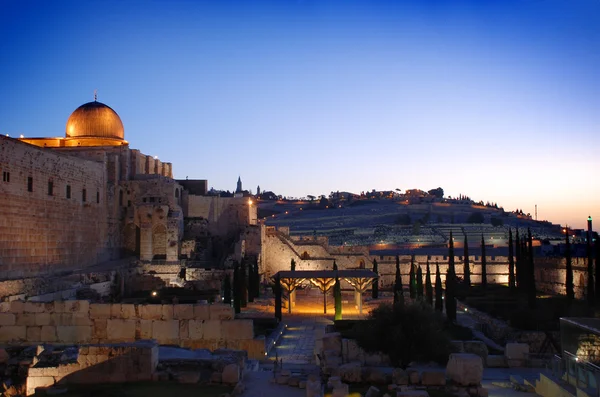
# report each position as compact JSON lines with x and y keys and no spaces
{"x":95,"y":120}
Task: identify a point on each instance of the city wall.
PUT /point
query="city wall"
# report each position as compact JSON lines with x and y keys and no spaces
{"x":43,"y":231}
{"x":79,"y":322}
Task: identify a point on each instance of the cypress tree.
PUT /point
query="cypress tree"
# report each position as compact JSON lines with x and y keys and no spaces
{"x":335,"y":266}
{"x":518,"y":262}
{"x":277,"y":290}
{"x":569,"y":275}
{"x":450,"y":295}
{"x":227,"y":289}
{"x":398,"y":293}
{"x":293,"y":265}
{"x":451,"y":254}
{"x":428,"y":286}
{"x":511,"y":261}
{"x":412,"y":281}
{"x":250,"y":282}
{"x":531,"y":268}
{"x":467,"y":270}
{"x":243,"y":284}
{"x":375,"y":286}
{"x":337,"y":295}
{"x":483,"y":264}
{"x":439,"y":306}
{"x":419,"y":283}
{"x":237,"y":303}
{"x":597,"y":268}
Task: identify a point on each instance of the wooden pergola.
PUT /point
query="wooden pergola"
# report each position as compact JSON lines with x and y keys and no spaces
{"x":359,"y":279}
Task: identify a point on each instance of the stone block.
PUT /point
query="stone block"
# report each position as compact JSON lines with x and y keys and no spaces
{"x":351,"y":372}
{"x":13,"y":333}
{"x":183,"y":312}
{"x":78,"y":318}
{"x":184,"y":329}
{"x":476,"y":347}
{"x":465,"y":369}
{"x":457,"y":346}
{"x":118,"y":330}
{"x":375,"y":375}
{"x":221,"y":311}
{"x":195,"y":329}
{"x":167,"y":312}
{"x":237,"y":329}
{"x":313,"y":388}
{"x":17,"y":307}
{"x":34,"y":334}
{"x":48,"y":333}
{"x":212,"y":329}
{"x":73,"y":333}
{"x":201,"y":312}
{"x":165,"y":332}
{"x":496,"y":361}
{"x":372,"y":392}
{"x":333,"y":341}
{"x":99,"y":330}
{"x":341,"y":390}
{"x":414,"y":377}
{"x":4,"y":356}
{"x":433,"y":378}
{"x":100,"y":311}
{"x":79,"y":306}
{"x":33,"y":307}
{"x":334,"y":381}
{"x":7,"y":319}
{"x":33,"y":382}
{"x":399,"y":376}
{"x":516,"y":351}
{"x":25,"y":319}
{"x":352,"y":352}
{"x":150,"y":312}
{"x":187,"y":377}
{"x":143,"y":329}
{"x":231,"y":374}
{"x":60,"y":319}
{"x":42,"y":319}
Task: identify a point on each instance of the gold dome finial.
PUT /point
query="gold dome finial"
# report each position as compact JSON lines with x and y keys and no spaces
{"x":95,"y":95}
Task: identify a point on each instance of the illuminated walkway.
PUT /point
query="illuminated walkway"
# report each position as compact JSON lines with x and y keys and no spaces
{"x":297,"y":344}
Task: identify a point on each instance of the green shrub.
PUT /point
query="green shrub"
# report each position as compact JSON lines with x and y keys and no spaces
{"x":408,"y":333}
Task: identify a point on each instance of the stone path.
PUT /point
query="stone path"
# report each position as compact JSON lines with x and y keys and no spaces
{"x":258,"y":384}
{"x":297,"y":344}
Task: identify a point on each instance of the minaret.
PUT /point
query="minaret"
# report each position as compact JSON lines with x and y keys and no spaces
{"x":258,"y":190}
{"x":238,"y":189}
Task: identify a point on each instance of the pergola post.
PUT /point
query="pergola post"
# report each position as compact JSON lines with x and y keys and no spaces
{"x":360,"y":285}
{"x":291,"y":285}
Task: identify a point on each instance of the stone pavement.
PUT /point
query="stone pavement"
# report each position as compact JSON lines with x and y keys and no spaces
{"x":297,"y":344}
{"x":258,"y":384}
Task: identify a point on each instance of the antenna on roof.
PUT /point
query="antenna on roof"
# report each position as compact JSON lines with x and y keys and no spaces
{"x":95,"y":95}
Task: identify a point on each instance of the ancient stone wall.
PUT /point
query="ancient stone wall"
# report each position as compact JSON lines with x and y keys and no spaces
{"x":224,"y":214}
{"x":42,"y":230}
{"x":187,"y":325}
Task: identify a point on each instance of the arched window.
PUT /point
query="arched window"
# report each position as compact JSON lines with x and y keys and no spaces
{"x":361,"y":264}
{"x":305,"y":255}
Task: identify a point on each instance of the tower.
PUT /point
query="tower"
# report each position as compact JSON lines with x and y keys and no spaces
{"x":238,"y":189}
{"x":258,"y":190}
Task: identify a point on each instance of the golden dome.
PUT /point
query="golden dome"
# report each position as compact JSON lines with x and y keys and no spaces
{"x":95,"y":120}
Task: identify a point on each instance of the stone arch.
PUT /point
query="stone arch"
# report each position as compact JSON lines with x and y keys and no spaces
{"x":131,"y":240}
{"x":305,"y":255}
{"x":159,"y":242}
{"x":361,"y":263}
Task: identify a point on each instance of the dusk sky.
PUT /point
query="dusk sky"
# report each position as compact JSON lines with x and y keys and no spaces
{"x":499,"y":100}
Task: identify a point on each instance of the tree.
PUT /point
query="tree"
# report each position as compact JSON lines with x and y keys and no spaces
{"x":532,"y":291}
{"x":419,"y":283}
{"x":237,"y":289}
{"x":428,"y":286}
{"x":250,"y":282}
{"x":243,"y":284}
{"x":511,"y":261}
{"x":483,"y":264}
{"x":451,"y":255}
{"x":412,"y":281}
{"x":335,"y":266}
{"x":256,"y":279}
{"x":278,"y":297}
{"x":598,"y":267}
{"x":293,"y":265}
{"x":375,"y":286}
{"x":590,"y":274}
{"x":518,"y":262}
{"x":227,"y":289}
{"x":439,"y":306}
{"x":450,"y":295}
{"x":398,"y":293}
{"x":337,"y":296}
{"x":496,"y":221}
{"x":437,"y":193}
{"x":569,"y":275}
{"x":467,"y":270}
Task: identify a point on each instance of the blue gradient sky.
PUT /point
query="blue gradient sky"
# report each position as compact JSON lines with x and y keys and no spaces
{"x":498,"y":100}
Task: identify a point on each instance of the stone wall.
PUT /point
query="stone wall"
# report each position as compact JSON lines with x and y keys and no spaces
{"x":96,"y":364}
{"x":186,"y":325}
{"x":224,"y":214}
{"x":42,"y":231}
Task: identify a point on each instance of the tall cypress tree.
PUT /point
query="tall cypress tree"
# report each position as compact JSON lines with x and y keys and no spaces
{"x":569,"y":276}
{"x":243,"y":284}
{"x":518,"y":262}
{"x":335,"y":266}
{"x":439,"y":306}
{"x":375,"y":286}
{"x":428,"y":286}
{"x":278,"y":297}
{"x":250,"y":282}
{"x":419,"y":283}
{"x":337,"y":296}
{"x":450,"y":295}
{"x":412,"y":280}
{"x":483,"y":264}
{"x":531,"y":268}
{"x":237,"y":302}
{"x":227,"y":289}
{"x":511,"y":261}
{"x":398,"y":293}
{"x":293,"y":265}
{"x":451,"y":254}
{"x":597,"y":268}
{"x":467,"y":267}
